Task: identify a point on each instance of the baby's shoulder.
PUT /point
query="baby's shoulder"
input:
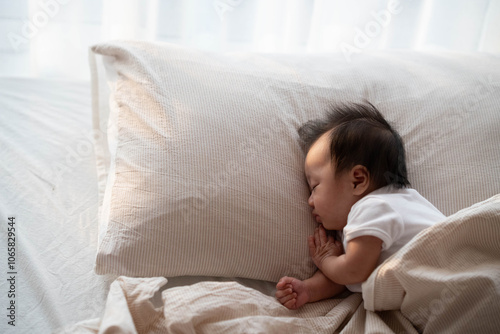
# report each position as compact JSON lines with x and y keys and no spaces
{"x":386,"y":199}
{"x":373,"y":205}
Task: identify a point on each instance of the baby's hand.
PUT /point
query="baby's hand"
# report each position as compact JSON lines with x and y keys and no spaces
{"x":291,"y":292}
{"x":322,"y":246}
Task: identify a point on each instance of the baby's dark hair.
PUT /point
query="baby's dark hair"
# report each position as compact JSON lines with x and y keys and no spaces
{"x":359,"y":135}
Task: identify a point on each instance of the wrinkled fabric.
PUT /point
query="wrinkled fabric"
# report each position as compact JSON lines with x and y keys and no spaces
{"x":229,"y":307}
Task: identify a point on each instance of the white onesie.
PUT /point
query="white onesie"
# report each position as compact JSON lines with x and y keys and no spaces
{"x":393,"y":215}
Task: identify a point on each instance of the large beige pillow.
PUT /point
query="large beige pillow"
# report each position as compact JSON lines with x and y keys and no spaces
{"x":199,"y":164}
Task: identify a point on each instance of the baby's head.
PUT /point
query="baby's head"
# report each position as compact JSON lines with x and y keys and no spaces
{"x":350,"y":153}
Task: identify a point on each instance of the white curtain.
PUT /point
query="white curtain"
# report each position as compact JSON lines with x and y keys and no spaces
{"x":50,"y":38}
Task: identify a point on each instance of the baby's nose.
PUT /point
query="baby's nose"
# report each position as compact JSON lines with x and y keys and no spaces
{"x":310,"y":201}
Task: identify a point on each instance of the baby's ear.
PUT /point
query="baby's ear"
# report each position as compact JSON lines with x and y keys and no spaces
{"x":360,"y":179}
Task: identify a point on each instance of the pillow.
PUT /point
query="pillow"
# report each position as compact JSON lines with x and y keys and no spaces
{"x":199,"y":165}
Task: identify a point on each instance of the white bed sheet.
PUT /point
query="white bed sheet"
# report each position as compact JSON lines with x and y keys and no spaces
{"x":49,"y":184}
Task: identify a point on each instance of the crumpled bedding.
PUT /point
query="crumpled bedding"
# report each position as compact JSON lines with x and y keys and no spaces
{"x":229,"y":307}
{"x":447,"y":279}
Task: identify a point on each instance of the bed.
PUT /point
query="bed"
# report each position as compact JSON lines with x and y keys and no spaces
{"x":166,"y":195}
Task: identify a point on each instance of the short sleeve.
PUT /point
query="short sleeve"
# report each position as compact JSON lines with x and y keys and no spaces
{"x":374,"y":217}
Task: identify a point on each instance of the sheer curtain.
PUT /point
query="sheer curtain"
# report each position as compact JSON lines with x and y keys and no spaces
{"x":50,"y":38}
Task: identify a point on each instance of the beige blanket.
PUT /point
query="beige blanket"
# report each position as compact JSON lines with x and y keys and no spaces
{"x":447,"y":279}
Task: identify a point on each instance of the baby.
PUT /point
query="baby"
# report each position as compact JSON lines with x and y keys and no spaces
{"x":356,"y":171}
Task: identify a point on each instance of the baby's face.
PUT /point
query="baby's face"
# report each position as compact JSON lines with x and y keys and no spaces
{"x":331,"y":196}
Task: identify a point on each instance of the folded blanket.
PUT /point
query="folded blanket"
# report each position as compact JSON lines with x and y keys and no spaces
{"x":448,"y":277}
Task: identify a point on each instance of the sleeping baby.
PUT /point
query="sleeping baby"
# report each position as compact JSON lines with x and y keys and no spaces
{"x":356,"y":171}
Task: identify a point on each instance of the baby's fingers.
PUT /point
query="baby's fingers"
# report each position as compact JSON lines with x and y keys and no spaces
{"x":286,"y":297}
{"x":282,"y":293}
{"x":317,"y":238}
{"x":289,"y":301}
{"x":283,"y":281}
{"x":322,"y":235}
{"x":290,"y":304}
{"x":312,"y":245}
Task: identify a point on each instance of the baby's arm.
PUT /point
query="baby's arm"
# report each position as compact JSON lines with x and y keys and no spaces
{"x":294,"y":293}
{"x":358,"y":262}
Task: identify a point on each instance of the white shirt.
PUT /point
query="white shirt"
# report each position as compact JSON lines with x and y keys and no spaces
{"x":393,"y":215}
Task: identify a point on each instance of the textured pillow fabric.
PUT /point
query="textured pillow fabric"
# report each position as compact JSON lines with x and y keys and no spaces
{"x":205,"y":174}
